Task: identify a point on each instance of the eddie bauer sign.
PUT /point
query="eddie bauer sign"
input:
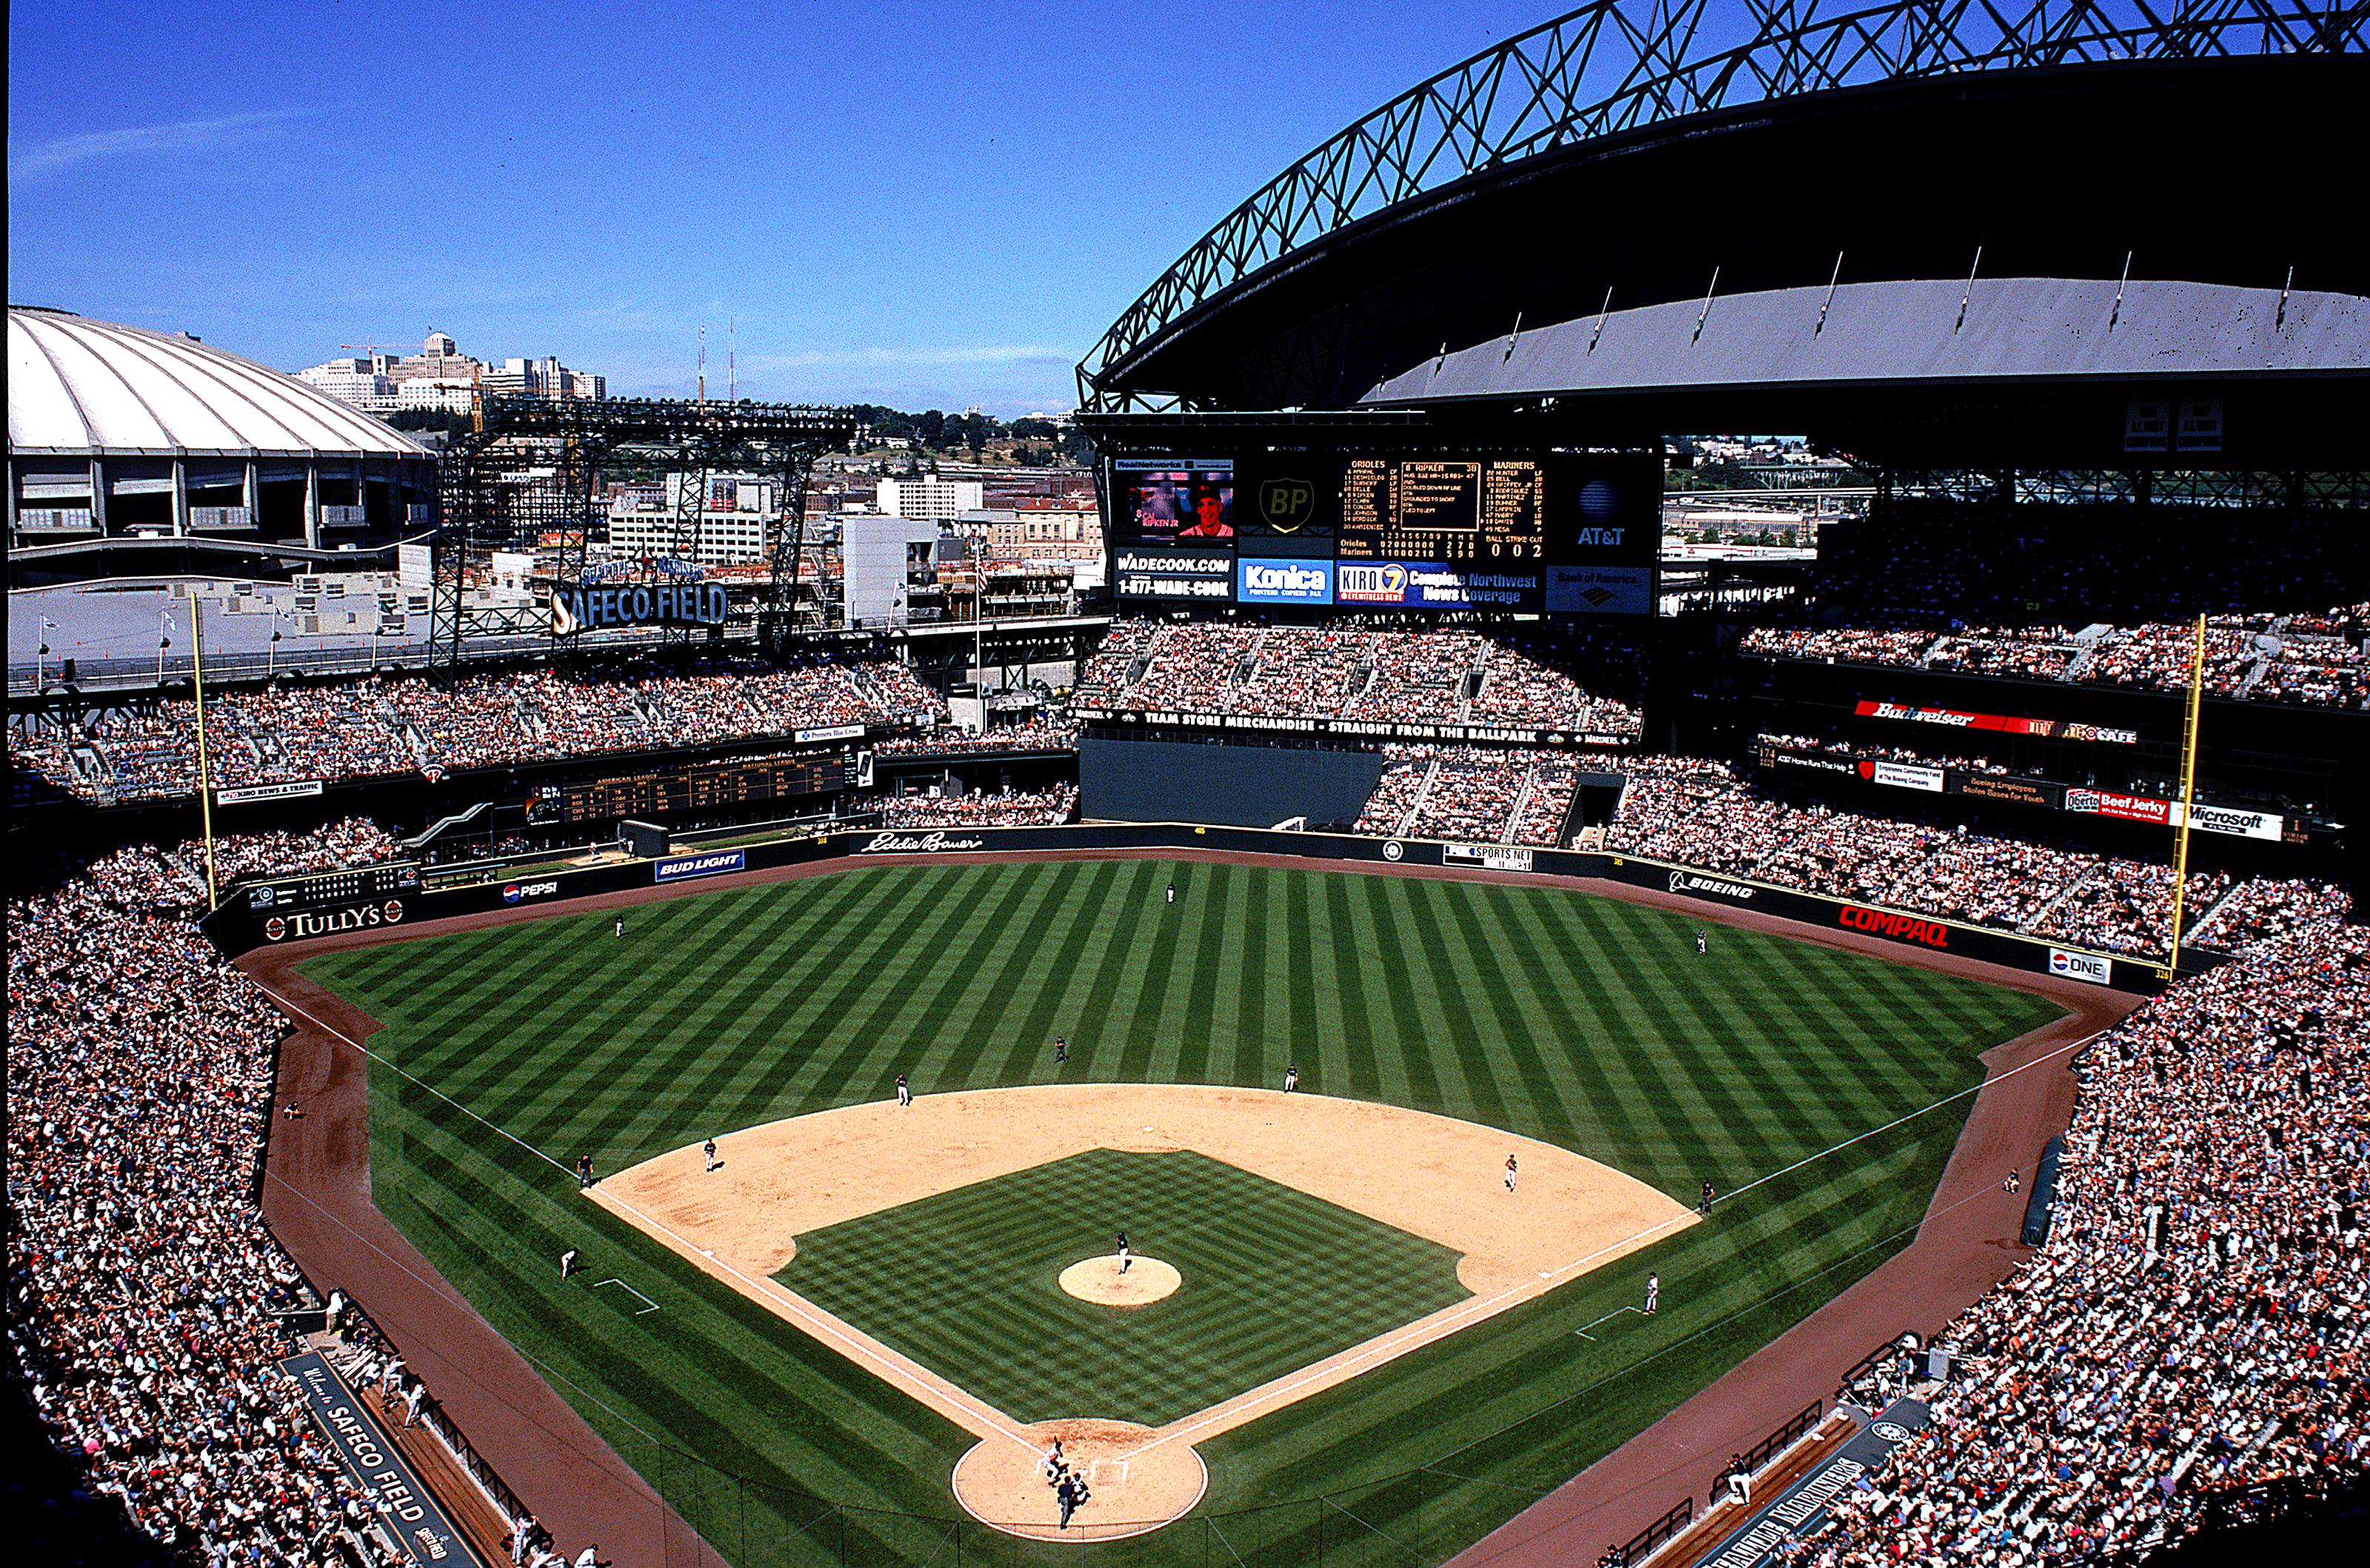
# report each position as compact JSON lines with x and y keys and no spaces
{"x":304,"y":923}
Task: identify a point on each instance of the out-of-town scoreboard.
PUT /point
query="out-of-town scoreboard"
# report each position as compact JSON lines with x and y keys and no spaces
{"x":717,"y":786}
{"x":388,"y":879}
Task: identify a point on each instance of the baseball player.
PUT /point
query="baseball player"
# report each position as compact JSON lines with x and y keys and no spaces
{"x":1702,"y":944}
{"x":1069,"y":1492}
{"x":1291,"y":1077}
{"x":568,"y":1263}
{"x":621,"y":924}
{"x":1061,"y":1049}
{"x":708,"y":1149}
{"x":904,"y":1090}
{"x":583,"y":1170}
{"x":1053,"y":1467}
{"x":1653,"y":1294}
{"x":1703,"y":1204}
{"x":1172,"y":892}
{"x":1510,"y":1173}
{"x":1119,"y":1245}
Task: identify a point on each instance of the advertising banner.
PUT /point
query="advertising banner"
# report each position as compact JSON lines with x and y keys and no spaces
{"x":2096,"y":968}
{"x":1801,"y":1507}
{"x":1362,"y":729}
{"x":1497,"y":856}
{"x":1266,"y":580}
{"x":1601,"y":590}
{"x":2236,"y":823}
{"x":1952,"y":718}
{"x":715,"y":863}
{"x":1175,"y":571}
{"x":2123,"y":808}
{"x":1433,"y":585}
{"x":828,"y":733}
{"x":2015,"y":791}
{"x":420,"y":1528}
{"x":1903,"y":776}
{"x":246,"y":792}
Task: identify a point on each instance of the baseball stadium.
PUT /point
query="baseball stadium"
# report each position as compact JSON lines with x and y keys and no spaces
{"x":1478,"y":1001}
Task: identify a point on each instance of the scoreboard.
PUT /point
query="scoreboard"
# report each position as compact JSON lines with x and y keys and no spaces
{"x":390,"y":879}
{"x":1442,"y":527}
{"x":704,"y":787}
{"x":1449,"y":509}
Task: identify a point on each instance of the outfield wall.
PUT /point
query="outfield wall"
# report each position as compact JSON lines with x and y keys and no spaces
{"x":242,"y":923}
{"x":1246,"y":786}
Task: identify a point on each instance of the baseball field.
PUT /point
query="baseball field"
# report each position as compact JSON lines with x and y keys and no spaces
{"x":847,"y":1340}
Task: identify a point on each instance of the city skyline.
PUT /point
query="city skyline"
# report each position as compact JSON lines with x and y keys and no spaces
{"x":944,"y":214}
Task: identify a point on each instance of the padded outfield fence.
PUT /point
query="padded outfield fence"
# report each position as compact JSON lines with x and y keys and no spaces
{"x":247,"y":920}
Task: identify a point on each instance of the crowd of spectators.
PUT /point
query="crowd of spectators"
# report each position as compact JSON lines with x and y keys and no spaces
{"x":1342,"y":671}
{"x":293,"y":732}
{"x":143,"y":1290}
{"x":1469,"y":793}
{"x":2315,"y":658}
{"x":1873,"y":750}
{"x":1016,"y":808}
{"x":1699,"y":814}
{"x":1034,"y":735}
{"x":2194,"y":1323}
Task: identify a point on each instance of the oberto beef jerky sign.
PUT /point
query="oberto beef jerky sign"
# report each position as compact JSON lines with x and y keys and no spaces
{"x":1807,"y":1501}
{"x":410,"y":1514}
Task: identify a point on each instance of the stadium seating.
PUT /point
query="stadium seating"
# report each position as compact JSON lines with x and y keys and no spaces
{"x":377,"y":727}
{"x":1349,"y":673}
{"x":1020,"y":808}
{"x":142,"y":1280}
{"x":2311,"y":660}
{"x":2195,"y":1322}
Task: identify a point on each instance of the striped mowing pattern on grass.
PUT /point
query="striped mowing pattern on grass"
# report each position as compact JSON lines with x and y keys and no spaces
{"x":1585,"y":1021}
{"x":1274,"y":1279}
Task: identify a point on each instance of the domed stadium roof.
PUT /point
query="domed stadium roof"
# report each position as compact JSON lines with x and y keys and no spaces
{"x":77,"y":386}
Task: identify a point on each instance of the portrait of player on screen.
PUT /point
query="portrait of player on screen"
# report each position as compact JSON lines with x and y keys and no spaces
{"x":1213,"y":509}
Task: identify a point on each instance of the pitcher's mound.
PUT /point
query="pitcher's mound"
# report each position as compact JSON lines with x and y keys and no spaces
{"x":1136,"y":1482}
{"x":1098,"y":1280}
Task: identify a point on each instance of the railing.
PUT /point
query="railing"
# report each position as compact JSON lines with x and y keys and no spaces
{"x":1659,"y":1534}
{"x":432,"y":1416}
{"x":1802,"y":1421}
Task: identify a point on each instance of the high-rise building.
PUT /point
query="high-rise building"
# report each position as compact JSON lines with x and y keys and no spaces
{"x":931,"y":498}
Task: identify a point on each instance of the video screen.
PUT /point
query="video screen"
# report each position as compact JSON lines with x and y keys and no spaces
{"x":1166,"y":502}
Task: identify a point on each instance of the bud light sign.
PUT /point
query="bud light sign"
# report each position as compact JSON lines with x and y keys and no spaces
{"x":1265,"y":582}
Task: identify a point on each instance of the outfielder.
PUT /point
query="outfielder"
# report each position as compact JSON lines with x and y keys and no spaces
{"x":568,"y":1263}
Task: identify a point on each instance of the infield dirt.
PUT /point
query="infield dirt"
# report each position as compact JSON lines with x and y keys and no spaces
{"x":1434,"y":1176}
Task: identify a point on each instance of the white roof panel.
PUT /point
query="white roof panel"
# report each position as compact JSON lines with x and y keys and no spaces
{"x":78,"y":384}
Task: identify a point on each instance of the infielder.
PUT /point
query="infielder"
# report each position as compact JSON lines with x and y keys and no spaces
{"x":1119,"y":1246}
{"x":904,"y":1090}
{"x":1291,"y":1077}
{"x":1654,"y":1293}
{"x":1510,"y":1173}
{"x":708,"y":1149}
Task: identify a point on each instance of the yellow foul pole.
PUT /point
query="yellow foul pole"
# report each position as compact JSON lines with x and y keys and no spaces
{"x":205,"y":779}
{"x":2188,"y":790}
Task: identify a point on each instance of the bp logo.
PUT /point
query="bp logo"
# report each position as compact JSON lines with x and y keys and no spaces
{"x":1287,"y":505}
{"x":1891,"y":1431}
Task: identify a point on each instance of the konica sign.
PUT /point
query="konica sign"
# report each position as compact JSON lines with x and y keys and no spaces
{"x":1265,"y":582}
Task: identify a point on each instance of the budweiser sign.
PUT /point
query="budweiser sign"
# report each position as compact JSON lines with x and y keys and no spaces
{"x":2047,"y":729}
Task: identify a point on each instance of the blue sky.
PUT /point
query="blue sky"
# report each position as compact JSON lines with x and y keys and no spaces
{"x":935,"y":204}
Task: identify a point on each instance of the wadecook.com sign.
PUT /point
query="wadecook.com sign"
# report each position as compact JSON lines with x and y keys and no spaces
{"x":1897,"y":927}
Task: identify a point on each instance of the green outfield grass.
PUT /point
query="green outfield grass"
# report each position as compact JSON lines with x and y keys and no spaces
{"x":1274,"y":1279}
{"x":1584,"y":1022}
